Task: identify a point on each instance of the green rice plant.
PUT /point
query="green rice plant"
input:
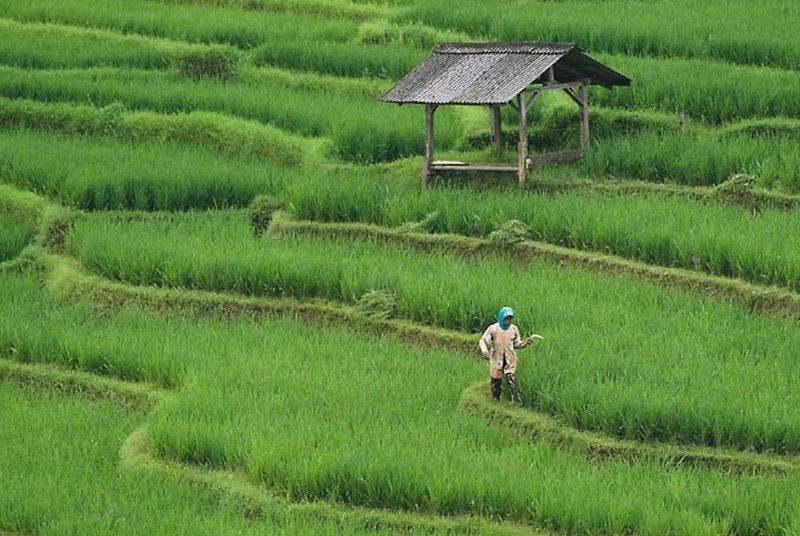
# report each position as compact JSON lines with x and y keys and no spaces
{"x":20,"y":213}
{"x":63,"y":451}
{"x":14,"y":236}
{"x":339,"y":9}
{"x":48,"y":46}
{"x":100,"y":174}
{"x":556,"y":126}
{"x":216,"y":62}
{"x":614,"y":353}
{"x":313,"y":82}
{"x":413,"y":35}
{"x":362,"y":129}
{"x":326,"y":427}
{"x":184,"y":22}
{"x":778,"y":127}
{"x":340,"y":59}
{"x":697,"y":158}
{"x":225,"y":135}
{"x":742,"y":32}
{"x":641,"y":227}
{"x":712,"y":91}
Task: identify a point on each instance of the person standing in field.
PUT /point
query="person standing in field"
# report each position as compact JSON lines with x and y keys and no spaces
{"x":499,"y":344}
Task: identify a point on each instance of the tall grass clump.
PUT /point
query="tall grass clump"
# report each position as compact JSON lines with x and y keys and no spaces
{"x":216,"y":62}
{"x":101,"y":174}
{"x":14,"y":236}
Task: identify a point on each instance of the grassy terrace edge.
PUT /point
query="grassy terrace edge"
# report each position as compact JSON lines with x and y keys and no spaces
{"x":65,"y":278}
{"x":760,"y":299}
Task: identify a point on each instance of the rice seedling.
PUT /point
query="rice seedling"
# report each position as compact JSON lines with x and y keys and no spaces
{"x":221,"y":134}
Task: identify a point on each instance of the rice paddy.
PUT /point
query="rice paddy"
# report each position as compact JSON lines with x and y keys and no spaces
{"x":227,"y":306}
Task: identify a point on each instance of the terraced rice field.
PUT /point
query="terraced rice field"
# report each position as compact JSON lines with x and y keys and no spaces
{"x":229,"y":308}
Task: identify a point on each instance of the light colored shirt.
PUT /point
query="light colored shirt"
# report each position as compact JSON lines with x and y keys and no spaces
{"x":499,"y":346}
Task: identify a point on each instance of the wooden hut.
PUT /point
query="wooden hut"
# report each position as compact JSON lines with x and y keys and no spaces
{"x":494,"y":74}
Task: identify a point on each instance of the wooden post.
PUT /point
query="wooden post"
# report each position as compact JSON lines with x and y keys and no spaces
{"x":496,"y":132}
{"x":584,"y":110}
{"x":426,"y":168}
{"x":522,"y":147}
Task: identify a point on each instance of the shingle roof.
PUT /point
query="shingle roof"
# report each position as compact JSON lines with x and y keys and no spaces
{"x":476,"y":73}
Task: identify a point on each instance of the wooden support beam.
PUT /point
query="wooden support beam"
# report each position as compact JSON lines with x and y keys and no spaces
{"x":535,"y":95}
{"x":496,"y":132}
{"x":426,"y":168}
{"x":584,"y":98}
{"x":522,"y":157}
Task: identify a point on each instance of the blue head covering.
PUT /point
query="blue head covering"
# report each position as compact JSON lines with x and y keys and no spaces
{"x":504,"y":312}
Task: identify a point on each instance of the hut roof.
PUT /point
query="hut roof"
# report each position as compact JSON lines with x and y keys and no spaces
{"x":494,"y":73}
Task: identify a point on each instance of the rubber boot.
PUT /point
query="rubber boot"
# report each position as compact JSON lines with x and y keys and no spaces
{"x":512,"y":387}
{"x":496,"y":383}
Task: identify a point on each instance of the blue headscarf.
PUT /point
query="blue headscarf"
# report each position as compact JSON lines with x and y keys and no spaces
{"x":504,"y":312}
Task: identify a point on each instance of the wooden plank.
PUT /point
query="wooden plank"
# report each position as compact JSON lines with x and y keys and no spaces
{"x":474,"y":167}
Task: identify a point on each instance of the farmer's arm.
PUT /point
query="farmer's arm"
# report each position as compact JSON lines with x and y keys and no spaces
{"x":517,"y":340}
{"x":486,"y":342}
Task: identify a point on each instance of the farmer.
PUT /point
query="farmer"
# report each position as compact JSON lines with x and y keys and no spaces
{"x":498,"y":345}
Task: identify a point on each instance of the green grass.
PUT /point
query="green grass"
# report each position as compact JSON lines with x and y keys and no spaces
{"x":214,"y":132}
{"x":14,"y":236}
